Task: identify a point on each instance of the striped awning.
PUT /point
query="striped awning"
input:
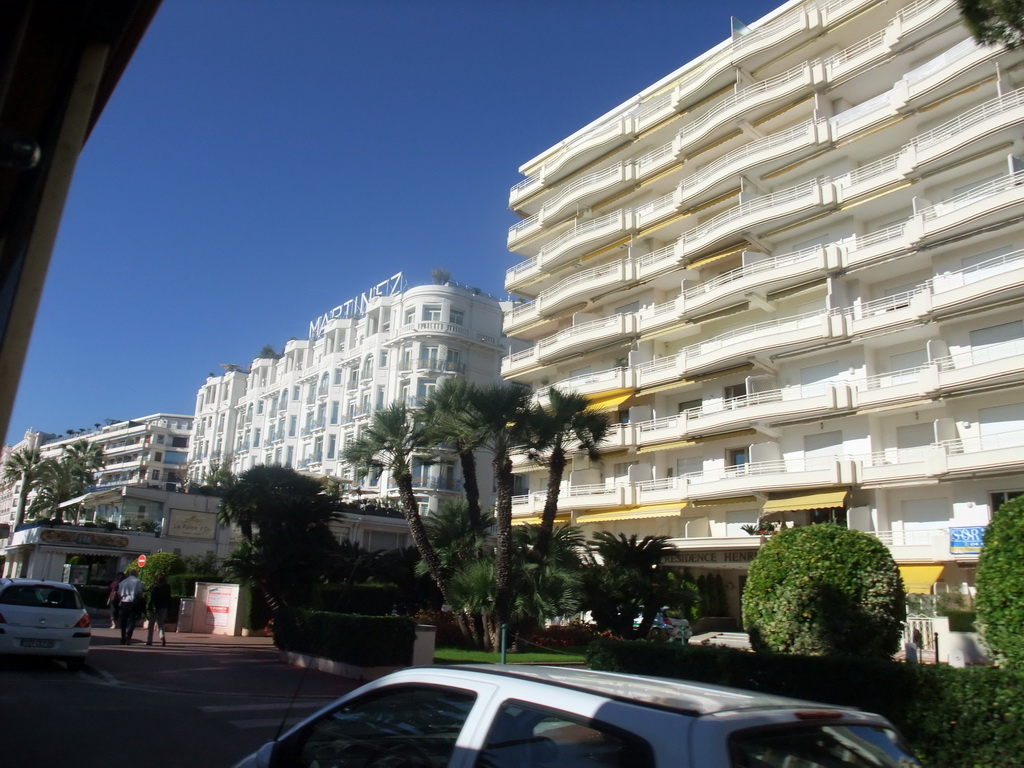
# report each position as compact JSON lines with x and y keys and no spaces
{"x":671,"y":509}
{"x":794,"y":502}
{"x":918,"y":579}
{"x":609,"y":402}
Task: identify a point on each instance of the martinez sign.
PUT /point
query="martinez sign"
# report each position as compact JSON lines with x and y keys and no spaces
{"x":356,"y":307}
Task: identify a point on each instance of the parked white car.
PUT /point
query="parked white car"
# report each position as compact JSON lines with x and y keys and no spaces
{"x":525,"y":716}
{"x":44,"y":618}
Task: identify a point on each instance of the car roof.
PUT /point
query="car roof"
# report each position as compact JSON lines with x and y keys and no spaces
{"x":677,"y":695}
{"x":44,"y":582}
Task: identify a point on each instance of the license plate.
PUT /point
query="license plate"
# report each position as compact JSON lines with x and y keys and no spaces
{"x":28,"y":643}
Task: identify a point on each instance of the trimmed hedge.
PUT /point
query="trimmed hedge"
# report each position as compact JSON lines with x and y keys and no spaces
{"x":363,"y":641}
{"x":184,"y":584}
{"x":1000,"y":603}
{"x":363,"y":599}
{"x":952,"y":718}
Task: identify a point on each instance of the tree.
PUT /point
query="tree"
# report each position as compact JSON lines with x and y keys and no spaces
{"x":501,"y":416}
{"x":60,"y":480}
{"x":389,"y":443}
{"x":995,"y":21}
{"x":166,"y":563}
{"x":565,"y":425}
{"x":824,"y":590}
{"x":624,"y":579}
{"x":1000,"y":602}
{"x":448,"y":421}
{"x":287,"y":546}
{"x":23,"y":466}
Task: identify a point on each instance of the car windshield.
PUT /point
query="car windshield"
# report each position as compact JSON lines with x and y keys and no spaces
{"x":821,"y":746}
{"x":40,"y":596}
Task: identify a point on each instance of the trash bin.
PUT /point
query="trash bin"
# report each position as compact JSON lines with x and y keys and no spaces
{"x":185,"y":614}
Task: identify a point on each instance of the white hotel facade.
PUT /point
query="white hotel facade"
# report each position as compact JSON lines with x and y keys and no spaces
{"x":792,"y":271}
{"x":302,"y":408}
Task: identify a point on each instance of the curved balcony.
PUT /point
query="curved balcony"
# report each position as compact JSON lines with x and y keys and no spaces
{"x":988,"y":124}
{"x":571,"y":291}
{"x":580,"y":338}
{"x":943,"y":75}
{"x":998,"y":453}
{"x":749,"y":50}
{"x":982,"y":206}
{"x":577,"y":152}
{"x":749,"y":104}
{"x":609,"y":380}
{"x":786,"y":474}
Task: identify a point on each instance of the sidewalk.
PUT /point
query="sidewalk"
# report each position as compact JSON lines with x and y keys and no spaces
{"x":214,"y":664}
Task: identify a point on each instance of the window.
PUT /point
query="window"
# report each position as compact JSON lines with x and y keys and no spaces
{"x":851,"y":746}
{"x":292,"y":424}
{"x":179,"y":442}
{"x":415,"y":725}
{"x":158,"y":456}
{"x":154,"y":475}
{"x":688,"y":405}
{"x":160,"y":439}
{"x":335,"y":411}
{"x":458,"y":317}
{"x":737,"y":458}
{"x":256,"y":437}
{"x":409,"y":317}
{"x":1001,"y":497}
{"x":332,"y":444}
{"x":296,"y":392}
{"x":339,"y":376}
{"x":432,"y":313}
{"x":290,"y":456}
{"x":522,"y":735}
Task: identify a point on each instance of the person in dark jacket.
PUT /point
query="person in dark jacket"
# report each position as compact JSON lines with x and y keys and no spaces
{"x":159,"y":604}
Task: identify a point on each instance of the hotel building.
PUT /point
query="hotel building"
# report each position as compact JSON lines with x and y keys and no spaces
{"x":792,"y":272}
{"x":302,"y":408}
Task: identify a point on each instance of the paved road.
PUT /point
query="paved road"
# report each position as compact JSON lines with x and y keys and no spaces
{"x":200,"y":702}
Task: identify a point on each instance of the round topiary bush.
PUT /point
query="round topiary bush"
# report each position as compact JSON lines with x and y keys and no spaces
{"x":1000,"y":602}
{"x":824,"y":590}
{"x":166,"y":563}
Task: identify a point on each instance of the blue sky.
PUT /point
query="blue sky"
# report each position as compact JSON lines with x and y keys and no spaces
{"x":261,"y":162}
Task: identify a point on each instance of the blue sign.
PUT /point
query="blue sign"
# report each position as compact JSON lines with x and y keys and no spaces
{"x":966,"y":541}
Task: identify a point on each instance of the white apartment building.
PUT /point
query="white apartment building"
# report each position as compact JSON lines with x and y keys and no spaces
{"x":792,"y":271}
{"x":302,"y":408}
{"x":149,"y":452}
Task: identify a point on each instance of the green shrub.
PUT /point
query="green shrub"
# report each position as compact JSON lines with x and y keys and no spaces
{"x":824,"y":589}
{"x":363,"y":599}
{"x":363,"y":641}
{"x":952,"y":718}
{"x":184,"y":584}
{"x":1000,"y":602}
{"x":166,"y":563}
{"x":960,"y":621}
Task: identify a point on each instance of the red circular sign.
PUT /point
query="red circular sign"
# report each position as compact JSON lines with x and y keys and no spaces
{"x":142,"y":561}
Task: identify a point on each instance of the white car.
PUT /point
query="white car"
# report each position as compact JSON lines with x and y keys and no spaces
{"x":525,"y":716}
{"x":44,"y":618}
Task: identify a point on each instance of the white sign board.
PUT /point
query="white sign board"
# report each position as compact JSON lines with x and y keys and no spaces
{"x":219,"y":609}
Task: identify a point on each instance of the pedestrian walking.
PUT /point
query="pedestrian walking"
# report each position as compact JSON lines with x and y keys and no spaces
{"x":114,"y":599}
{"x":159,"y":603}
{"x":130,"y":592}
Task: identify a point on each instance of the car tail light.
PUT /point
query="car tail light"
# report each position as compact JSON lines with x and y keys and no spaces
{"x":2,"y":619}
{"x":84,"y":621}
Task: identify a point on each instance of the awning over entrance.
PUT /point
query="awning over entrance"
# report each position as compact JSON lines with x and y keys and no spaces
{"x":918,"y":579}
{"x":666,"y":446}
{"x":535,"y":520}
{"x":794,"y":502}
{"x":673,"y":509}
{"x":609,"y":402}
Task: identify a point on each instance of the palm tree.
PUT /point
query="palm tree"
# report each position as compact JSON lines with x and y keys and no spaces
{"x":448,"y":421}
{"x":391,"y":441}
{"x":501,"y":414}
{"x":624,"y":579}
{"x":566,"y":425}
{"x":23,"y":466}
{"x":86,"y":458}
{"x":60,"y":480}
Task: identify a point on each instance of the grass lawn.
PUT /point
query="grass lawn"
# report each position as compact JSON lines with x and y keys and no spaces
{"x":450,"y":655}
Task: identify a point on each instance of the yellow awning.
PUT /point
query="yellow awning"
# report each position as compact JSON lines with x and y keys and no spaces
{"x":799,"y":501}
{"x":666,"y":446}
{"x":535,"y":519}
{"x":720,"y":502}
{"x":672,"y":509}
{"x":918,"y":579}
{"x":609,"y":402}
{"x":665,"y":387}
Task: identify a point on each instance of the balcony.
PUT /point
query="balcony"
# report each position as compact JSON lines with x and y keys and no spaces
{"x":787,"y":474}
{"x":598,"y":382}
{"x":580,"y":338}
{"x":750,"y":104}
{"x":998,"y":452}
{"x":1003,"y":363}
{"x":578,"y":498}
{"x":984,"y":205}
